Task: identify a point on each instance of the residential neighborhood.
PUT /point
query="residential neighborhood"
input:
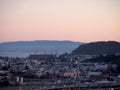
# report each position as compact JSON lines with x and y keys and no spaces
{"x":52,"y":70}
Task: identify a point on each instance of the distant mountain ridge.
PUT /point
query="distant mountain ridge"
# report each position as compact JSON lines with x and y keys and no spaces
{"x":41,"y":42}
{"x":24,"y":48}
{"x":97,"y":48}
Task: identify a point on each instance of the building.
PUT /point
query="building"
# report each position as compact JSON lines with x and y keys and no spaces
{"x":43,"y":56}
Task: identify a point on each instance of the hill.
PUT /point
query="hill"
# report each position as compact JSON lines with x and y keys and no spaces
{"x":97,"y":48}
{"x":24,"y":48}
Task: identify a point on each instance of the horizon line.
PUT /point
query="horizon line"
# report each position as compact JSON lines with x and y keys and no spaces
{"x":58,"y":40}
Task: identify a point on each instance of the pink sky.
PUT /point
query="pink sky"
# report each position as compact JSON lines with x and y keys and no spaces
{"x":76,"y":20}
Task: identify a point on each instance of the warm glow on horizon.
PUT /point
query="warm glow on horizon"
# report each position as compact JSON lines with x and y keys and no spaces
{"x":76,"y":20}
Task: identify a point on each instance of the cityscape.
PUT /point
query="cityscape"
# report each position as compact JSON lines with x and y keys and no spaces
{"x":68,"y":71}
{"x":59,"y":44}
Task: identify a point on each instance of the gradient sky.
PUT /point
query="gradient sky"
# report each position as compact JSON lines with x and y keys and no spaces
{"x":76,"y":20}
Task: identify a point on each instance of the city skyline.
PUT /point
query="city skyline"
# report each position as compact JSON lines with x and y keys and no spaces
{"x":74,"y":20}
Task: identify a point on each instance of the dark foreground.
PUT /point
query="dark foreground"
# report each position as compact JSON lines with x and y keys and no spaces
{"x":65,"y":87}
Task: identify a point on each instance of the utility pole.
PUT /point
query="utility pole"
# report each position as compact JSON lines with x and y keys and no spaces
{"x":110,"y":74}
{"x":78,"y":67}
{"x":78,"y":71}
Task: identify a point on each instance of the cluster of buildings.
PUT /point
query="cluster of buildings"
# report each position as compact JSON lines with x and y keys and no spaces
{"x":51,"y":69}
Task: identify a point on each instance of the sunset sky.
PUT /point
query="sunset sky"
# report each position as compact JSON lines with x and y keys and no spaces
{"x":76,"y":20}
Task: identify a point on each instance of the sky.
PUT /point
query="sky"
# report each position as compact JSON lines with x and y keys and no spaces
{"x":75,"y":20}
